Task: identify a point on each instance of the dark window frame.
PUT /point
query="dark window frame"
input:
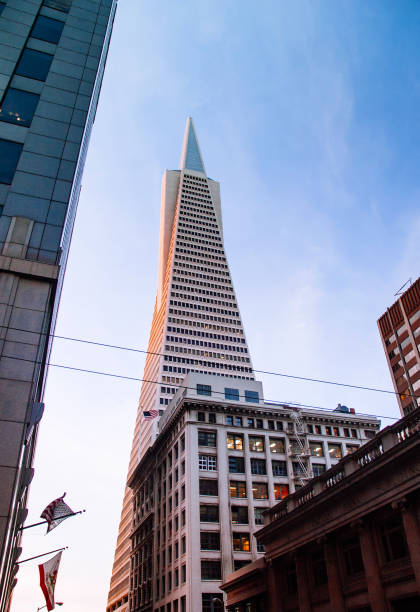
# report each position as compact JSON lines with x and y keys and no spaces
{"x":43,"y":29}
{"x":12,"y":156}
{"x":27,"y":58}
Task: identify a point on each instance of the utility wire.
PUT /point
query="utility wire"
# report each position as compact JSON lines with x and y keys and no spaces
{"x":281,"y":404}
{"x":305,"y":378}
{"x":136,"y":350}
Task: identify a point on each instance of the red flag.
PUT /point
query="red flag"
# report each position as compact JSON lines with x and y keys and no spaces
{"x":56,"y":512}
{"x":47,"y":579}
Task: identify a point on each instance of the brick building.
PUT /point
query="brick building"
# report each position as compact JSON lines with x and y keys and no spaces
{"x":399,"y":327}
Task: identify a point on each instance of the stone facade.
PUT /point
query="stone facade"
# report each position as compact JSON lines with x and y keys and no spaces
{"x":347,"y":541}
{"x":200,"y":491}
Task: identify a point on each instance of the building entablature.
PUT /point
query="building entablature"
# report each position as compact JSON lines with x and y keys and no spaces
{"x":381,"y":472}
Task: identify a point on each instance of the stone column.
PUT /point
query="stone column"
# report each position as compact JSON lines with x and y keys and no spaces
{"x":377,"y":599}
{"x":334,"y":582}
{"x":274,"y":587}
{"x":302,"y":583}
{"x":412,"y":533}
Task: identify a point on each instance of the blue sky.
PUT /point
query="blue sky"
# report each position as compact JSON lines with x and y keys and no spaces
{"x":308,"y":114}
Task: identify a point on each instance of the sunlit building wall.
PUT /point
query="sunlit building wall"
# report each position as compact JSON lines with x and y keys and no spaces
{"x":399,"y":327}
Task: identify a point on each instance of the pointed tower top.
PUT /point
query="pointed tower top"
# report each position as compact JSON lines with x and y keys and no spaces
{"x":191,"y":156}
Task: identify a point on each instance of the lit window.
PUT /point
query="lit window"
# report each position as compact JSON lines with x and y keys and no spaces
{"x":18,"y":107}
{"x":277,"y":445}
{"x":256,"y":444}
{"x":351,"y":448}
{"x":235,"y":441}
{"x":241,"y":541}
{"x":280,"y":491}
{"x":237,"y":488}
{"x":316,"y":449}
{"x":259,"y":490}
{"x":334,"y":450}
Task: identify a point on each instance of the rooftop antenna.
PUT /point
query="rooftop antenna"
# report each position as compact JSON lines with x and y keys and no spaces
{"x":400,"y":290}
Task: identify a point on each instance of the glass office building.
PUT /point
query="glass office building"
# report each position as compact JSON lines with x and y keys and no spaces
{"x":52,"y":58}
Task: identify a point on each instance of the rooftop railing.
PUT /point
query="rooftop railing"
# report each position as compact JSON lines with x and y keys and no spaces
{"x":370,"y":452}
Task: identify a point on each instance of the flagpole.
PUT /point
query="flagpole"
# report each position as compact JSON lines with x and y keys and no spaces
{"x":43,"y":555}
{"x":43,"y":522}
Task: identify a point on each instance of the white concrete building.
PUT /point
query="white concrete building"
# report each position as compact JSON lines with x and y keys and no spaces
{"x":221,"y":458}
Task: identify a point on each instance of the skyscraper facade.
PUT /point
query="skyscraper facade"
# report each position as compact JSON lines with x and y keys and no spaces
{"x":222,"y":458}
{"x":399,"y":327}
{"x":202,"y":472}
{"x":196,"y":324}
{"x":52,"y":59}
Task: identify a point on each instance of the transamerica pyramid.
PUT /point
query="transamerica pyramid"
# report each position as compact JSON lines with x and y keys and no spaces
{"x":196,"y":322}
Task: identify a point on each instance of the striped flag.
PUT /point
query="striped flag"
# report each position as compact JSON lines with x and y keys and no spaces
{"x":47,"y":578}
{"x":56,"y":512}
{"x":149,"y":415}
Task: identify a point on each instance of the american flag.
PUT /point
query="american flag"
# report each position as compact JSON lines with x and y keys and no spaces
{"x":56,"y":512}
{"x":149,"y":415}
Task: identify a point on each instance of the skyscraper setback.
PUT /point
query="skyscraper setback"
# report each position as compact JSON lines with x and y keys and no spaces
{"x":196,"y":322}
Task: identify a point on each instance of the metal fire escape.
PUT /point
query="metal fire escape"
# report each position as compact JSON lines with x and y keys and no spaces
{"x":300,"y":450}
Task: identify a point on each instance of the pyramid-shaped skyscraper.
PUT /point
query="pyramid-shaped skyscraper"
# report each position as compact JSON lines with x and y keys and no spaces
{"x":196,"y":325}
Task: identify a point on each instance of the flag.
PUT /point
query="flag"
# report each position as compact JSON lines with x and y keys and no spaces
{"x":47,"y":579}
{"x":56,"y":512}
{"x":149,"y":415}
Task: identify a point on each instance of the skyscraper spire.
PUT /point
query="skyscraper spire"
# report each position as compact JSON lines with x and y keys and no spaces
{"x":191,"y":155}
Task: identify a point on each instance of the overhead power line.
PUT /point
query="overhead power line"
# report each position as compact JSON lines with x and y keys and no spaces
{"x":279,"y":403}
{"x":281,"y":374}
{"x":146,"y":352}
